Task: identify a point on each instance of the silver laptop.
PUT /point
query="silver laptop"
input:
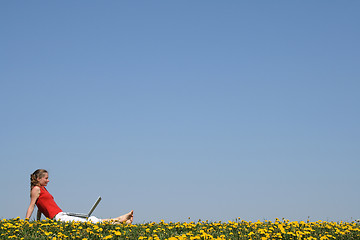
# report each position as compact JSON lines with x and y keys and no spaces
{"x":85,"y":215}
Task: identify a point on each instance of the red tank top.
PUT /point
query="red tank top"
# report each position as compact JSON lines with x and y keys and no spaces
{"x":46,"y":204}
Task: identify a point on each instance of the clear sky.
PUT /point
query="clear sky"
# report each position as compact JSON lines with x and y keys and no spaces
{"x":211,"y":110}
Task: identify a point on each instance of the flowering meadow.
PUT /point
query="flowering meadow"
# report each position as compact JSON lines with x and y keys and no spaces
{"x":239,"y":229}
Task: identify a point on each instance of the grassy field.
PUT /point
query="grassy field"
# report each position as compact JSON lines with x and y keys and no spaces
{"x":239,"y":229}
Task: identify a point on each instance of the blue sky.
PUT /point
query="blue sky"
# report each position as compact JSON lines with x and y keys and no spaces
{"x":211,"y":110}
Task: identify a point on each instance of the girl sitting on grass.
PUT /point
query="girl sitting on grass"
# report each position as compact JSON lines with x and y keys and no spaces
{"x":47,"y":206}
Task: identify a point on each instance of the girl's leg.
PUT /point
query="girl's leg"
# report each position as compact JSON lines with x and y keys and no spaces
{"x":127,"y":218}
{"x":62,"y":216}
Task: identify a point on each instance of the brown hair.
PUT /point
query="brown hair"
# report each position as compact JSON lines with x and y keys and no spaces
{"x":39,"y":173}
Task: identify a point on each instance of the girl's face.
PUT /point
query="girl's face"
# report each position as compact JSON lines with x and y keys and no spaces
{"x":44,"y":180}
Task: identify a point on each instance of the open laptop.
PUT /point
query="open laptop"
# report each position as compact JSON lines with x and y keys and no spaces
{"x":85,"y":215}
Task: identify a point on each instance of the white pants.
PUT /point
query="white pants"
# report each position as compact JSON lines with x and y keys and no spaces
{"x":62,"y":216}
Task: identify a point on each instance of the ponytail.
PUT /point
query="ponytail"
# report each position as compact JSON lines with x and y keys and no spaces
{"x":34,"y":177}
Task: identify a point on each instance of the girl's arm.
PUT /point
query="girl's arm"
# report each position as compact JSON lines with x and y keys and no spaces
{"x":34,"y":195}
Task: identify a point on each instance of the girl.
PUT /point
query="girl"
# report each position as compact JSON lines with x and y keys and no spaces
{"x":47,"y":206}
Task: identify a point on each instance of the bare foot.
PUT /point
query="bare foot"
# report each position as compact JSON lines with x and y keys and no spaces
{"x":128,"y":218}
